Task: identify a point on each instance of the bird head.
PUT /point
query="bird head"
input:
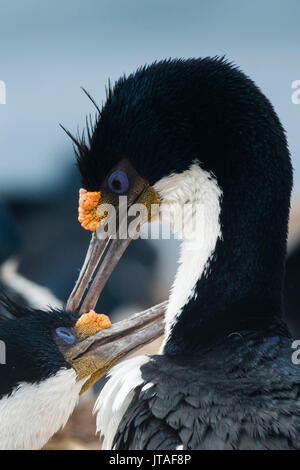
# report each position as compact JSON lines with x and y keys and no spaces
{"x":195,"y":132}
{"x":48,"y":358}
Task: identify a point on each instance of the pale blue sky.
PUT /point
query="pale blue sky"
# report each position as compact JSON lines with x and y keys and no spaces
{"x":49,"y":49}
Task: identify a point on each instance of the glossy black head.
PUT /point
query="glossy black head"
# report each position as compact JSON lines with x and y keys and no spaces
{"x":165,"y":116}
{"x":36,"y":344}
{"x":31,"y":339}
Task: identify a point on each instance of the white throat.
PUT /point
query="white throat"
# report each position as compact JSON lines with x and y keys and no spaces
{"x":196,"y":194}
{"x":32,"y":413}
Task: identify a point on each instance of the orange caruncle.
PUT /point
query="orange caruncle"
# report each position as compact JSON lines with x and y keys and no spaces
{"x":88,"y":203}
{"x":90,"y":323}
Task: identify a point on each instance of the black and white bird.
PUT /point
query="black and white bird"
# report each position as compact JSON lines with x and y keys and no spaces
{"x":47,"y":359}
{"x":199,"y":132}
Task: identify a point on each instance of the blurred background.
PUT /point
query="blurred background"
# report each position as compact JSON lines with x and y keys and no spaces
{"x":48,"y":50}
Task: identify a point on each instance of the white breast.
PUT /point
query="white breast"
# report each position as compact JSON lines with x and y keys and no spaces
{"x":116,"y":396}
{"x":34,"y":412}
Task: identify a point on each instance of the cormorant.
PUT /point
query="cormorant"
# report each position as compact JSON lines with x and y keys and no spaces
{"x":48,"y":358}
{"x":198,"y":132}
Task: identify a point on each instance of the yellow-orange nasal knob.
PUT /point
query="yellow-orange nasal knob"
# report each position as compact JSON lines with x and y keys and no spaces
{"x":87,"y":211}
{"x":89,"y":323}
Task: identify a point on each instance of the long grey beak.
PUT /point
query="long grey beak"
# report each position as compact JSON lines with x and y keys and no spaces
{"x":100,"y":243}
{"x":112,"y":257}
{"x":93,"y":256}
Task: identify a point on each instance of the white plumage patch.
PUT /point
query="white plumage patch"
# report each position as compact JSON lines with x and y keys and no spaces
{"x":116,"y":396}
{"x":194,"y":196}
{"x":201,"y":230}
{"x":37,"y":296}
{"x":34,"y":412}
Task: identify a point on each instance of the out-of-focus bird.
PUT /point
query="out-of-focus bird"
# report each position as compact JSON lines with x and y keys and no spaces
{"x":18,"y":287}
{"x":197,"y":132}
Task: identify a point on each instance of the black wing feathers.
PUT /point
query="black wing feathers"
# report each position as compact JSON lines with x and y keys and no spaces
{"x":205,"y":406}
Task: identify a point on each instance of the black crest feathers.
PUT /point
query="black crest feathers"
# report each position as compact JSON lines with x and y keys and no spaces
{"x":83,"y":141}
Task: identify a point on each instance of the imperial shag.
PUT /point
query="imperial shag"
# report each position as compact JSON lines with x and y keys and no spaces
{"x":48,"y":358}
{"x":199,"y":132}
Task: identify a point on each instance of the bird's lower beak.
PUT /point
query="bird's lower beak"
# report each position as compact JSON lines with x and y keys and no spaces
{"x":93,"y":356}
{"x":110,"y":240}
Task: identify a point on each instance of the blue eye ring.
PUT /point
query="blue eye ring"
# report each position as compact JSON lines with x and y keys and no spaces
{"x":65,"y":335}
{"x":118,"y":182}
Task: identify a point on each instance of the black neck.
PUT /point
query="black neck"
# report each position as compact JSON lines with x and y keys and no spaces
{"x":243,"y":287}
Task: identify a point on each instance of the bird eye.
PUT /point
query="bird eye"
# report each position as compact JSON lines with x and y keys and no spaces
{"x":66,"y":335}
{"x":118,"y":182}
